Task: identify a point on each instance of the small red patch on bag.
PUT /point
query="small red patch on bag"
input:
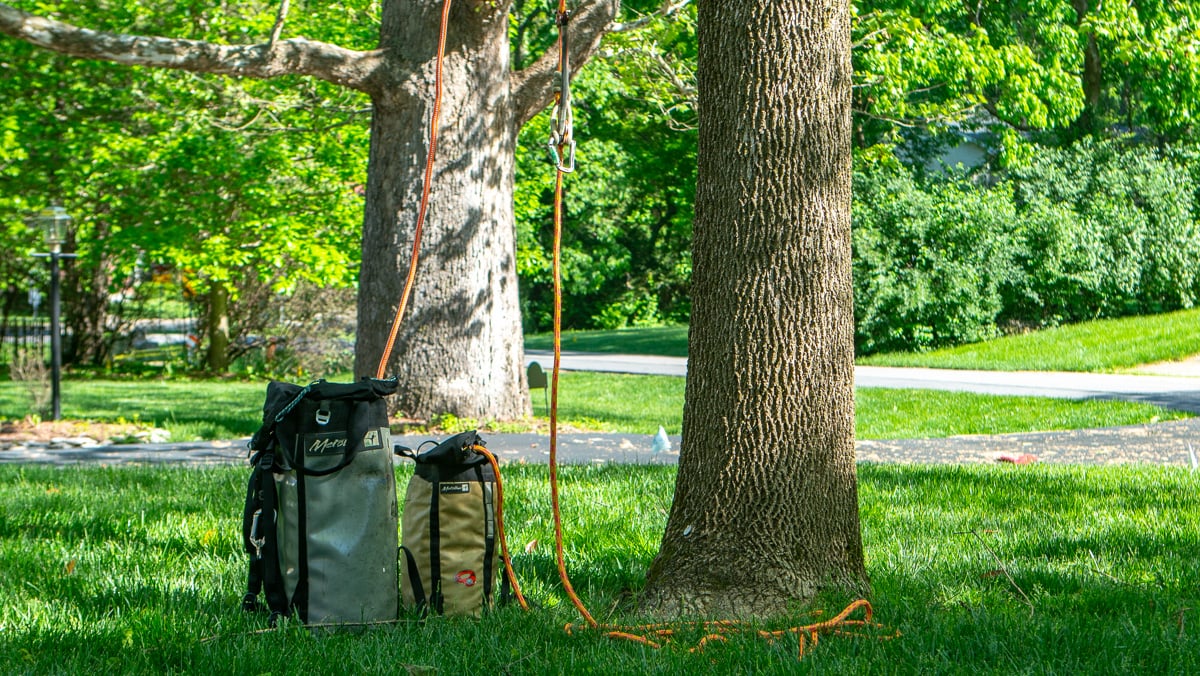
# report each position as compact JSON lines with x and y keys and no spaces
{"x":465,"y":578}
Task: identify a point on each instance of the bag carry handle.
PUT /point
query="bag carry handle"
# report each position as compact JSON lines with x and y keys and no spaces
{"x":356,"y":432}
{"x":361,"y":393}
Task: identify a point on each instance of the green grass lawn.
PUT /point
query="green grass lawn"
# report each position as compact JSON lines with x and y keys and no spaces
{"x":139,"y":570}
{"x":189,"y":409}
{"x":1100,"y":346}
{"x":598,"y":401}
{"x":670,"y":341}
{"x":639,"y":404}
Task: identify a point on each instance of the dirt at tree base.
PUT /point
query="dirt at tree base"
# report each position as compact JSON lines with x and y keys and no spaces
{"x":31,"y":429}
{"x":1189,"y":366}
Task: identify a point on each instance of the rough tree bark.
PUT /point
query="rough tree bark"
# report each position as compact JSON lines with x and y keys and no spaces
{"x":85,"y":303}
{"x":1090,"y":122}
{"x":766,"y":510}
{"x":461,"y":350}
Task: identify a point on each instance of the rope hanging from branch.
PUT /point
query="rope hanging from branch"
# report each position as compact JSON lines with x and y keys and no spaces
{"x":414,"y":259}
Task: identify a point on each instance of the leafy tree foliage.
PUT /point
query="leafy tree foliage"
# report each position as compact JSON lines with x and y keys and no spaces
{"x":929,"y":260}
{"x":627,"y":247}
{"x":1105,"y":229}
{"x":1150,"y":53}
{"x":931,"y":63}
{"x":240,"y":181}
{"x":1066,"y":69}
{"x":230,"y":181}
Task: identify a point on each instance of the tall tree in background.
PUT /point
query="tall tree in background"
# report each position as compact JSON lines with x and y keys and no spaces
{"x":461,"y":348}
{"x":766,"y":508}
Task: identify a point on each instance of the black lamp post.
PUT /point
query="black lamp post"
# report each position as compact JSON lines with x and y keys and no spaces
{"x":53,"y":222}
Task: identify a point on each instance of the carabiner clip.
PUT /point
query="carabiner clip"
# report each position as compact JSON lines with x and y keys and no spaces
{"x":562,"y":139}
{"x":563,"y":161}
{"x":258,"y":542}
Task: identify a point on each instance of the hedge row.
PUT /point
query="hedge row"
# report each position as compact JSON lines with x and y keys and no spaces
{"x":1101,"y":229}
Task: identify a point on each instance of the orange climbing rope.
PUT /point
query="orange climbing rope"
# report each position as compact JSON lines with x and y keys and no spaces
{"x":718,"y":630}
{"x":562,"y":146}
{"x":416,"y":247}
{"x":512,"y":577}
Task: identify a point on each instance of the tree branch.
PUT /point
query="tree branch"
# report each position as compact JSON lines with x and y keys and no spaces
{"x":994,"y":109}
{"x":668,"y":8}
{"x":533,"y":87}
{"x":280,"y":17}
{"x":297,"y":56}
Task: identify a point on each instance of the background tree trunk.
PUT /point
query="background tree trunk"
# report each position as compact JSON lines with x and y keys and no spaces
{"x":766,"y":507}
{"x":1090,"y":122}
{"x":217,"y":325}
{"x":85,"y":301}
{"x":460,"y":349}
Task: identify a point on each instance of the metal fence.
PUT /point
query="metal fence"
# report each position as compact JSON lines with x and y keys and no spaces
{"x":23,"y":334}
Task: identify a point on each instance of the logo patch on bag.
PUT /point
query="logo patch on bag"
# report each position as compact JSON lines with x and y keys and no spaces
{"x":462,"y":487}
{"x":325,"y":443}
{"x":374,"y":439}
{"x":466,"y":578}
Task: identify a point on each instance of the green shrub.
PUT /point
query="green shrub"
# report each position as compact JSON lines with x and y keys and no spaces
{"x":929,"y":260}
{"x":1106,"y":229}
{"x":1099,"y":229}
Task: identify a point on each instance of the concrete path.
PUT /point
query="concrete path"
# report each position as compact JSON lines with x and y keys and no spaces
{"x":1171,"y":443}
{"x":1175,"y":392}
{"x":573,"y":448}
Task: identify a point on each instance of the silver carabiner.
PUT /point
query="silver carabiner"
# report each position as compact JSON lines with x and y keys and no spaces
{"x":563,"y":161}
{"x":562,"y":140}
{"x":258,"y":542}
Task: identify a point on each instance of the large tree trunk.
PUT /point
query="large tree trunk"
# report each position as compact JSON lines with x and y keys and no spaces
{"x":460,"y":349}
{"x":766,"y":509}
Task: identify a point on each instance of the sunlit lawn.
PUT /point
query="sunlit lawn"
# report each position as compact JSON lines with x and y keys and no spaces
{"x":982,"y":569}
{"x":609,"y":402}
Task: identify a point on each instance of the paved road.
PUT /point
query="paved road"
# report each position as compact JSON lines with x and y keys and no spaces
{"x":1168,"y":443}
{"x":1181,"y":393}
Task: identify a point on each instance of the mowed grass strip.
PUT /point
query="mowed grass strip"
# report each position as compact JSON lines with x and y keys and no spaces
{"x":596,"y":401}
{"x":640,"y":404}
{"x":190,"y":409}
{"x":1104,"y":345}
{"x":668,"y":341}
{"x":1045,"y":569}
